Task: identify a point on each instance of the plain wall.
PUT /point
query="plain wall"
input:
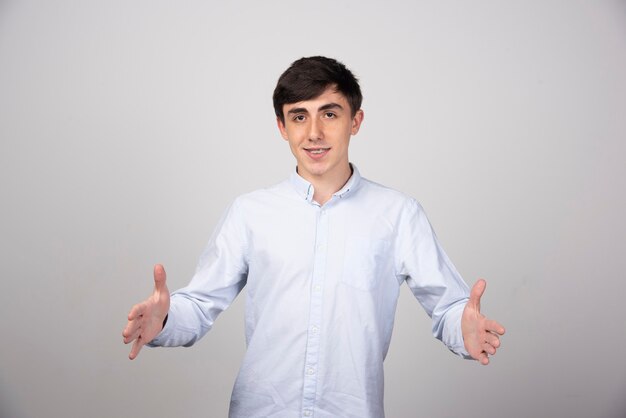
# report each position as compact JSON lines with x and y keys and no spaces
{"x":126,"y":128}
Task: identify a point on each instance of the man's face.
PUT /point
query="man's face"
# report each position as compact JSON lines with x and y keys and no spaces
{"x":318,"y":132}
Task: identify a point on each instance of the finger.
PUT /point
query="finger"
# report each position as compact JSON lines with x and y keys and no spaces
{"x":133,"y":335}
{"x":483,"y":358}
{"x":159,"y":278}
{"x":492,"y":340}
{"x":136,"y":348}
{"x":137,"y":311}
{"x":494,"y":326}
{"x":489,"y":349}
{"x":131,"y":328}
{"x":477,"y":292}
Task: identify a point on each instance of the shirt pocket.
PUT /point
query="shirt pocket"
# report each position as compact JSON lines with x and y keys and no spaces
{"x":364,"y":261}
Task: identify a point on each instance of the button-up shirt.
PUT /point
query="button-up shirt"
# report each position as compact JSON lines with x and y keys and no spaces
{"x":322,"y":288}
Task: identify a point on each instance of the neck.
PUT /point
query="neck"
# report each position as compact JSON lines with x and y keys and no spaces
{"x":326,"y":186}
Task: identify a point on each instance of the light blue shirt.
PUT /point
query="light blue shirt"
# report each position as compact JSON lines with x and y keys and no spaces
{"x":322,"y":288}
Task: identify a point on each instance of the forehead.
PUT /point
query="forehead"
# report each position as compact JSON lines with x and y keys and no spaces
{"x":330,"y":95}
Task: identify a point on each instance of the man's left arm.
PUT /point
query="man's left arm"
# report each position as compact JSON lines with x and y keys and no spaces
{"x":437,"y":285}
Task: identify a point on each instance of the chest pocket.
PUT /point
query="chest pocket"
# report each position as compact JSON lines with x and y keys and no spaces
{"x":364,"y":263}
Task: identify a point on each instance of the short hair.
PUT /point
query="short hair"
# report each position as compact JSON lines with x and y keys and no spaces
{"x":307,"y":78}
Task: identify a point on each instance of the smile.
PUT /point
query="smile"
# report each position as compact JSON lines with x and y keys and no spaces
{"x":316,"y":153}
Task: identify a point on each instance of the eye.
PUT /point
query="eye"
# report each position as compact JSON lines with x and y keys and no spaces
{"x":298,"y":118}
{"x":330,"y":115}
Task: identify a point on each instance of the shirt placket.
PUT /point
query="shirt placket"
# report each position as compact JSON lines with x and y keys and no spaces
{"x":311,"y":366}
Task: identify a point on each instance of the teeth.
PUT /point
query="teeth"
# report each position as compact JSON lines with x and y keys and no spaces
{"x":317,"y":151}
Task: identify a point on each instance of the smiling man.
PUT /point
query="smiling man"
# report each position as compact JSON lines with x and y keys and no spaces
{"x":323,"y":255}
{"x":318,"y":132}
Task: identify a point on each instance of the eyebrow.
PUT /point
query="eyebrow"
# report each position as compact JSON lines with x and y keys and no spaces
{"x":327,"y":106}
{"x":331,"y":106}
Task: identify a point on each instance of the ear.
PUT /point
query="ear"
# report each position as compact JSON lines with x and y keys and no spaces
{"x":282,"y":129}
{"x":356,"y":121}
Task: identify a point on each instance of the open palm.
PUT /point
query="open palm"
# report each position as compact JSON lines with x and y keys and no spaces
{"x":480,"y":334}
{"x":145,"y":320}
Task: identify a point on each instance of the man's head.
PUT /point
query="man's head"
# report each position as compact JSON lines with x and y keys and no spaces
{"x":318,"y":109}
{"x":307,"y":78}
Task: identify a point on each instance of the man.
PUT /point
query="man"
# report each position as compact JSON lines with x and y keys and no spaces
{"x":323,"y":255}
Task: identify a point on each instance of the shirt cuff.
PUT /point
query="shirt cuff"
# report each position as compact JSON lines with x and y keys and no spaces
{"x":165,"y":333}
{"x":453,"y":333}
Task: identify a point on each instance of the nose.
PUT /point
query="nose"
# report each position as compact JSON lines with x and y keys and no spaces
{"x":315,"y":130}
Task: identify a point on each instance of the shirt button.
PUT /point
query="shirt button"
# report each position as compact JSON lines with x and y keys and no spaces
{"x":314,"y":329}
{"x":317,"y":288}
{"x":307,"y":413}
{"x":310,"y":371}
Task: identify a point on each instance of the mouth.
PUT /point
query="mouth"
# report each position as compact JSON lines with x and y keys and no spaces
{"x":316,"y":152}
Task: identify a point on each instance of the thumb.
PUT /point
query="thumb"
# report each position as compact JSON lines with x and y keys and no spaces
{"x":477,"y":292}
{"x":159,"y":278}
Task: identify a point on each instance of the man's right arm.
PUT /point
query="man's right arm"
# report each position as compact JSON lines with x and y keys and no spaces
{"x":219,"y":277}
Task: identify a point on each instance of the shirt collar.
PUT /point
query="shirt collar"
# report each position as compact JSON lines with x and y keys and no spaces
{"x":305,"y":189}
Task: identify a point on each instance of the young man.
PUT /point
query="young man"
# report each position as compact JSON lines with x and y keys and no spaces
{"x":323,"y":255}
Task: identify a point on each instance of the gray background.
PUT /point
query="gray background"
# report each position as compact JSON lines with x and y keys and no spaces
{"x":126,"y":127}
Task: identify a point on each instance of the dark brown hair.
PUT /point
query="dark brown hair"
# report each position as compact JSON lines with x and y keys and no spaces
{"x":309,"y":77}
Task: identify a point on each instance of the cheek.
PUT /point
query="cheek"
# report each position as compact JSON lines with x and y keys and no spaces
{"x":294,"y":135}
{"x":347,"y":130}
{"x":336,"y":133}
{"x":293,"y":146}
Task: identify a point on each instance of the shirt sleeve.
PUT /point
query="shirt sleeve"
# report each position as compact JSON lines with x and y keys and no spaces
{"x":220,"y":275}
{"x":431,"y":276}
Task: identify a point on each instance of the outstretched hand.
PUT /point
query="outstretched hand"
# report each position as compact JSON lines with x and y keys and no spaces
{"x":145,"y":320}
{"x":480,"y":334}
